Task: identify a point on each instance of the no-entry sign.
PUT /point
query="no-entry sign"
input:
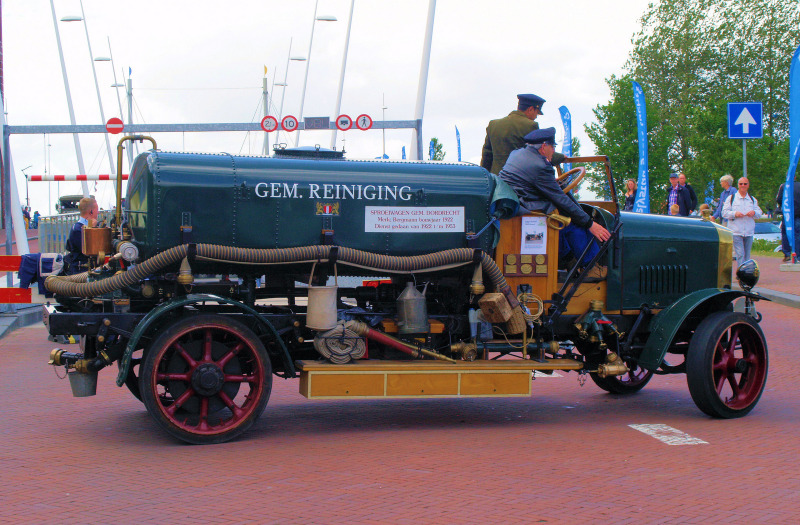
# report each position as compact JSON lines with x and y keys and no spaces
{"x":114,"y":126}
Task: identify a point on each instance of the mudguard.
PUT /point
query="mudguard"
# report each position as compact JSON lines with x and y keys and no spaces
{"x":669,"y":320}
{"x":180,"y":302}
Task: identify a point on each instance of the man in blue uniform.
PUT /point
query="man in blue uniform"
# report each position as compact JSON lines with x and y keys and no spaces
{"x":530,"y":172}
{"x":75,"y":261}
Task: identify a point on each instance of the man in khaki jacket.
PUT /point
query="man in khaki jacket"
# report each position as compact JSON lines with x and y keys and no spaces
{"x":506,"y":134}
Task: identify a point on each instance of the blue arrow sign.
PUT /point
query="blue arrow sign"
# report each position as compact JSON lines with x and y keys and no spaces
{"x":744,"y":120}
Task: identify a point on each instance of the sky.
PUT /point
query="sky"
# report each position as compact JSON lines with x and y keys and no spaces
{"x":203,"y":62}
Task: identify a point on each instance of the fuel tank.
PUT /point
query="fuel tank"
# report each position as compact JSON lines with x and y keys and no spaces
{"x":388,"y":207}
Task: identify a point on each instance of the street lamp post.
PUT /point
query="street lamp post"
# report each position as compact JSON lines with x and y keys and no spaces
{"x":289,"y":59}
{"x":27,"y":196}
{"x":116,"y":85}
{"x":75,"y":136}
{"x":322,"y":18}
{"x":341,"y":75}
{"x":383,"y":130}
{"x":82,"y":18}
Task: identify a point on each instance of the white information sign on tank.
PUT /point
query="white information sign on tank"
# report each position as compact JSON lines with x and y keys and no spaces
{"x":402,"y":219}
{"x":534,"y":235}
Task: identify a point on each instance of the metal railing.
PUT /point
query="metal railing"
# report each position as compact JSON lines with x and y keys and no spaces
{"x":54,"y":230}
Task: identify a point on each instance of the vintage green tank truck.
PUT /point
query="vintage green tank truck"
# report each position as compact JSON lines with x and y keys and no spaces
{"x":375,"y":279}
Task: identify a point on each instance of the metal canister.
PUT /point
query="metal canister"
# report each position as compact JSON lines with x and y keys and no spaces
{"x":412,"y":312}
{"x":96,"y":241}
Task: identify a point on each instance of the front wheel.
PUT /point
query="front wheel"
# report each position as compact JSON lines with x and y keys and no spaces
{"x":206,"y":379}
{"x":726,"y":365}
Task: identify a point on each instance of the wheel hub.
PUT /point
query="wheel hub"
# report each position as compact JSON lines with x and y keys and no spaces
{"x":741,"y":366}
{"x":207,"y":379}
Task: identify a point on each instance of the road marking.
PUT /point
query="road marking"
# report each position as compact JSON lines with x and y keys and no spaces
{"x":669,"y":435}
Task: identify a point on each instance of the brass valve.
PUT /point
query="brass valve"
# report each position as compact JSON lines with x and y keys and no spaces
{"x":614,"y":366}
{"x":467,"y":351}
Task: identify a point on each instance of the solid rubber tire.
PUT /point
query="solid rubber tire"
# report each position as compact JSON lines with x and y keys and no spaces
{"x":171,"y":334}
{"x":700,"y":364}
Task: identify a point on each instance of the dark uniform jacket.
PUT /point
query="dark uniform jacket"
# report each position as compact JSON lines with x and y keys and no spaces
{"x":533,"y":179}
{"x":684,"y":200}
{"x":795,"y":194}
{"x":692,"y":196}
{"x":503,"y":136}
{"x":75,"y":261}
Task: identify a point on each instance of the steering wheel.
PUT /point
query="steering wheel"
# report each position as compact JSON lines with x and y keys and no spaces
{"x":582,"y":173}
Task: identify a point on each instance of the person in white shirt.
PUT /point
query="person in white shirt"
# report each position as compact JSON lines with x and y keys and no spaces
{"x":741,"y":210}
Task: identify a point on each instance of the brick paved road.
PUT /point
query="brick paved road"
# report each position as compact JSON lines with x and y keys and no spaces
{"x":565,"y":455}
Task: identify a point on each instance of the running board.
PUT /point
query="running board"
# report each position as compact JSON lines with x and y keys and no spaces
{"x":370,"y":379}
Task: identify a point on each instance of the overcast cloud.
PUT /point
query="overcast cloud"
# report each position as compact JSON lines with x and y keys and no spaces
{"x":200,"y":61}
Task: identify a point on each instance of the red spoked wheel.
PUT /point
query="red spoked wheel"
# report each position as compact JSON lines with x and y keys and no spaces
{"x":726,"y":365}
{"x":206,"y":379}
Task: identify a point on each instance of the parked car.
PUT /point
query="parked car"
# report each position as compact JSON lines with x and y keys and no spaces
{"x":767,"y":231}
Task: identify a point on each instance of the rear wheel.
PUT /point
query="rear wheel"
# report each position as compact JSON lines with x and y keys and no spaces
{"x":726,"y":365}
{"x":206,"y":379}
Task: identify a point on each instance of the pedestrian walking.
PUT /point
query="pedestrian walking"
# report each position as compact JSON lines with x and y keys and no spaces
{"x":726,"y":181}
{"x":678,"y":195}
{"x":688,"y":187}
{"x":741,"y":209}
{"x":786,"y":247}
{"x":630,"y":194}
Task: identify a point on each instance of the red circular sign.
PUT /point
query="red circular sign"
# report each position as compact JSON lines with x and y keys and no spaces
{"x":114,"y":126}
{"x":289,"y":123}
{"x":344,"y":122}
{"x":363,"y":122}
{"x":269,"y":123}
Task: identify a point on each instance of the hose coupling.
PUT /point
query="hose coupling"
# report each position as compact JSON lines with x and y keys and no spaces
{"x":75,"y":361}
{"x":614,"y":366}
{"x":185,"y":276}
{"x":467,"y":351}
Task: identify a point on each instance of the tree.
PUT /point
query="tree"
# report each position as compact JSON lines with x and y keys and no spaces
{"x":692,"y":57}
{"x":438,"y":150}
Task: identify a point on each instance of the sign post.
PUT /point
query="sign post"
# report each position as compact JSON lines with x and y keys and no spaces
{"x":745,"y":122}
